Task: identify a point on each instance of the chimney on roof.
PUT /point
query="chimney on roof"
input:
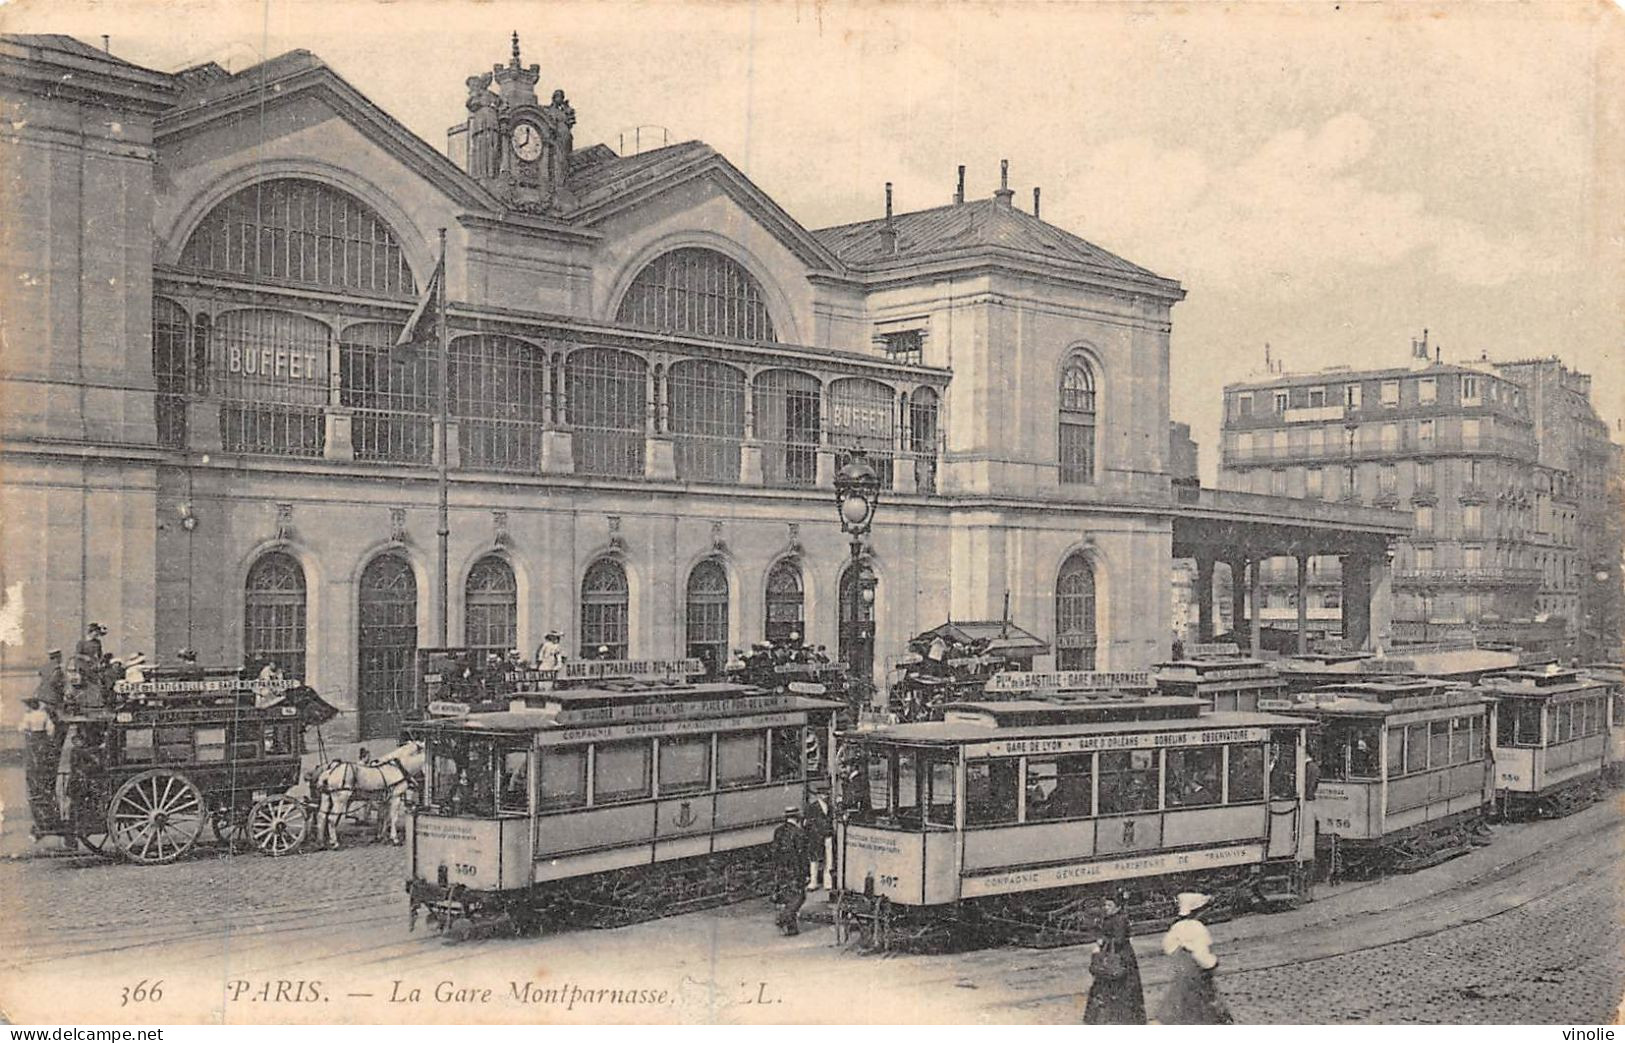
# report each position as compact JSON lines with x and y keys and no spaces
{"x":107,"y":43}
{"x":888,"y":231}
{"x":1035,"y":200}
{"x":1003,"y":196}
{"x":959,"y":193}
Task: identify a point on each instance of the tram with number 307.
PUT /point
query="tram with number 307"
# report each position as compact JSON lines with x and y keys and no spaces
{"x":609,"y":804}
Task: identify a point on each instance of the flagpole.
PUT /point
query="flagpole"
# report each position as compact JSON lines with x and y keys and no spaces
{"x":443,"y":531}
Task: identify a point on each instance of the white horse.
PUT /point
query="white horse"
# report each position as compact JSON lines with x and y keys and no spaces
{"x":383,"y":780}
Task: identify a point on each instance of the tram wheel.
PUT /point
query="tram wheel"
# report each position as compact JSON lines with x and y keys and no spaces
{"x":156,"y":817}
{"x":278,"y":825}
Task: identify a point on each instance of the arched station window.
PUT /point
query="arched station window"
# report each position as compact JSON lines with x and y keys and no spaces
{"x":694,"y":290}
{"x":274,"y":614}
{"x":497,"y":386}
{"x":604,"y":601}
{"x":707,"y":622}
{"x":707,"y":419}
{"x":1077,"y":439}
{"x":491,"y":606}
{"x":608,"y":408}
{"x":922,"y":438}
{"x":293,"y":230}
{"x":391,"y":392}
{"x":271,"y":368}
{"x":863,"y":415}
{"x":1075,"y":638}
{"x":786,"y":603}
{"x":788,"y":426}
{"x":386,"y":644}
{"x":171,"y":369}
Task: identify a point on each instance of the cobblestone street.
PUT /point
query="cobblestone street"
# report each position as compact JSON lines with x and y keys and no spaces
{"x":1526,"y":930}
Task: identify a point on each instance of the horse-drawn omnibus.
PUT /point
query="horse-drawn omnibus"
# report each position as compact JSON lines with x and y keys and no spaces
{"x":607,"y":803}
{"x":1011,"y":820}
{"x":151,"y":762}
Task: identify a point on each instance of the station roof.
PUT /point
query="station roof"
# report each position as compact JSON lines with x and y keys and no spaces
{"x":943,"y":733}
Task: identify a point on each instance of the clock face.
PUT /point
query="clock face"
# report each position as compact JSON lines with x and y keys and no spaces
{"x":527,"y":142}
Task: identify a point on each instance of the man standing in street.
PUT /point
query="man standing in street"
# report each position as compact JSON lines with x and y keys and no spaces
{"x":39,"y":731}
{"x":790,"y":871}
{"x":820,"y":829}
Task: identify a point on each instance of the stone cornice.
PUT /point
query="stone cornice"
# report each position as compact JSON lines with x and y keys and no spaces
{"x":982,"y":261}
{"x":53,"y":73}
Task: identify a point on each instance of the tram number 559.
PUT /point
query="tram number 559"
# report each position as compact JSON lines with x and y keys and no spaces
{"x":464,"y":869}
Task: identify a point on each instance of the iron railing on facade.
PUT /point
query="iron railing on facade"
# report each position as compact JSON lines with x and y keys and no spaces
{"x":1494,"y":575}
{"x":1334,"y":452}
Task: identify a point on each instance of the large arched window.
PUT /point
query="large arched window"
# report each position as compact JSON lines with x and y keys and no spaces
{"x":608,"y":408}
{"x":274,"y":614}
{"x":863,"y":415}
{"x":694,"y":290}
{"x":171,"y":367}
{"x":497,"y":388}
{"x":786,"y":603}
{"x":604,"y":609}
{"x":707,"y":623}
{"x":707,"y":419}
{"x":788,"y":425}
{"x":386,"y":644}
{"x":391,"y":393}
{"x":1075,"y":615}
{"x":271,"y":369}
{"x":295,"y":231}
{"x":1077,"y":443}
{"x":922,"y":438}
{"x":491,"y":606}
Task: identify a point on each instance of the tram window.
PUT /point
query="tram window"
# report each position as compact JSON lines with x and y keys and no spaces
{"x":1246,"y":774}
{"x":514,"y":794}
{"x":905,"y":778}
{"x":1128,"y":781}
{"x":1565,"y":726}
{"x":1461,"y":740}
{"x":1619,"y":709}
{"x":1439,"y":744}
{"x":1193,"y":776}
{"x":460,"y":776}
{"x":138,"y":745}
{"x":1396,"y":752}
{"x":873,"y":800}
{"x":939,"y":779}
{"x":685,"y":765}
{"x":564,"y":779}
{"x":739,"y":759}
{"x":1506,"y":723}
{"x":1416,"y":748}
{"x":787,"y":752}
{"x":990,"y":791}
{"x":620,"y":772}
{"x":1528,"y":732}
{"x":1283,"y":756}
{"x":1348,"y":750}
{"x":1481,"y":737}
{"x":1060,"y":788}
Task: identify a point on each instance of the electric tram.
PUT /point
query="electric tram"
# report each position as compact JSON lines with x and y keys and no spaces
{"x":1406,"y":777}
{"x":1222,"y":675}
{"x":605,"y":804}
{"x":1009,"y":820}
{"x":1553,"y":739}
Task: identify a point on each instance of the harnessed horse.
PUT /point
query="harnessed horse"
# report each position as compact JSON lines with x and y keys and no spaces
{"x":383,"y":780}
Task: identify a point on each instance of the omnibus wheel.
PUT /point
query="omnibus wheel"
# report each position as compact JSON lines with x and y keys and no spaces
{"x":156,"y":817}
{"x":278,"y":825}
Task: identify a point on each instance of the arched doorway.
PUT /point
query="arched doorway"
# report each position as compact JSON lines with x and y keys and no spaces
{"x":274,"y":615}
{"x":707,"y":620}
{"x":604,"y":604}
{"x":387,"y":644}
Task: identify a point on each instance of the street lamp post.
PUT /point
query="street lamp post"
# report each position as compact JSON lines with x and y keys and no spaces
{"x":857,"y":495}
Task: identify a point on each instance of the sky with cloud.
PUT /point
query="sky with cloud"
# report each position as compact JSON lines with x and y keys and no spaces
{"x":1330,"y":178}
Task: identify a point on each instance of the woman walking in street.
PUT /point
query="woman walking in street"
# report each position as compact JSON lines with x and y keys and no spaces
{"x":1115,"y":994}
{"x":1192,"y":998}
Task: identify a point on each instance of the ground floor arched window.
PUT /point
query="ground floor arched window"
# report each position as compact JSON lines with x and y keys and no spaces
{"x":786,"y":604}
{"x":491,"y":606}
{"x":604,"y":611}
{"x":274,"y":615}
{"x":707,"y":617}
{"x":1075,"y":636}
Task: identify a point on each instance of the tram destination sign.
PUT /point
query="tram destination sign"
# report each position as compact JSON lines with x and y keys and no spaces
{"x":648,"y":729}
{"x":1206,"y":649}
{"x":1068,"y":681}
{"x":666,"y":711}
{"x":211,"y":684}
{"x":1140,"y":741}
{"x":630,"y":669}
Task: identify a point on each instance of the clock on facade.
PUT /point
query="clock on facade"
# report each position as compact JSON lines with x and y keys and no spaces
{"x":527,"y":142}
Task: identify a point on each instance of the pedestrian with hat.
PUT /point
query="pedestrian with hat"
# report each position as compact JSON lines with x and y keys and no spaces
{"x":550,"y":651}
{"x":1192,"y":997}
{"x":40,"y":738}
{"x":53,"y":685}
{"x":1116,"y":996}
{"x":789,"y":854}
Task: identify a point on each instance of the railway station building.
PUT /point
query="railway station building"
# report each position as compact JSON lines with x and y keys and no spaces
{"x":210,"y":440}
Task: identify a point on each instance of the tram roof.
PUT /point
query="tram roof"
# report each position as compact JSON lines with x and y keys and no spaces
{"x":1542,"y":682}
{"x":585,"y":707}
{"x":954,"y":733}
{"x":1379,"y":697}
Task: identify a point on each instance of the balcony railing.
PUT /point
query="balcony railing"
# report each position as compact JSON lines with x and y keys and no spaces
{"x":1490,"y":576}
{"x":1338,"y":452}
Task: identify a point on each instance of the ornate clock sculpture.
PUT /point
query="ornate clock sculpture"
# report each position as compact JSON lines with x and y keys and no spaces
{"x":530,"y":174}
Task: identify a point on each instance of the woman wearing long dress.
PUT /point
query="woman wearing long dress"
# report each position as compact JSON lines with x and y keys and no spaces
{"x":1116,"y":996}
{"x":1192,"y":998}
